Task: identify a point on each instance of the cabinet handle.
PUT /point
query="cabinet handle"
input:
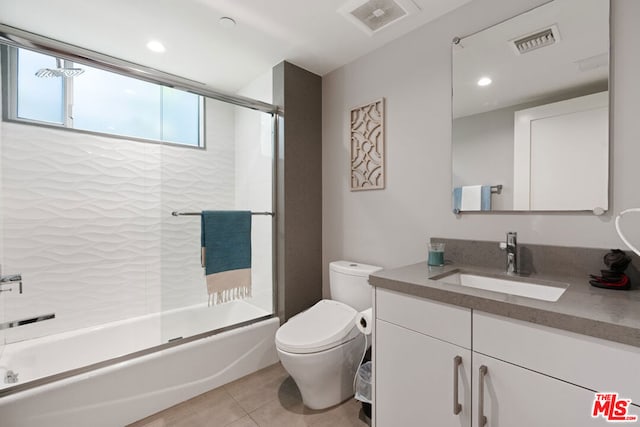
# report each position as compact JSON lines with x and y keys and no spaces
{"x":457,"y":407}
{"x":482,"y":420}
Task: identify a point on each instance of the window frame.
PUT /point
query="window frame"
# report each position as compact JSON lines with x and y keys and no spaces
{"x":9,"y":54}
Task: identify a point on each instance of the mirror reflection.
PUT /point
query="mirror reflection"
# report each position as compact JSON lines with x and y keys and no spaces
{"x":530,"y":111}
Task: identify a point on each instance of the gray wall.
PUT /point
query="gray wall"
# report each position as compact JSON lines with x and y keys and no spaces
{"x":300,"y":188}
{"x":482,"y":153}
{"x":391,"y":227}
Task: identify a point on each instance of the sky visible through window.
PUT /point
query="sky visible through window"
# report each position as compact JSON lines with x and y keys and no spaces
{"x":38,"y":98}
{"x":107,"y":102}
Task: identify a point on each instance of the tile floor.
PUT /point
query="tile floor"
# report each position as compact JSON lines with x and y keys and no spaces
{"x":265,"y":398}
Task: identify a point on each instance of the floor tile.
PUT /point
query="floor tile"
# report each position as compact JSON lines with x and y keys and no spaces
{"x":347,"y":414}
{"x":168,"y":417}
{"x":257,"y":389}
{"x":265,"y":398}
{"x":214,"y":408}
{"x":275,"y":414}
{"x":243,"y":422}
{"x":288,"y":410}
{"x":156,"y":422}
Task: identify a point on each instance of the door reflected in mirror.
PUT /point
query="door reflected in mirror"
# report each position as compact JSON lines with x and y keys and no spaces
{"x":531,"y":111}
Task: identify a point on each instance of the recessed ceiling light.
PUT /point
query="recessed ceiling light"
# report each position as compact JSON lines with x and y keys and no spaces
{"x":155,"y":46}
{"x":227,"y":22}
{"x":484,"y":81}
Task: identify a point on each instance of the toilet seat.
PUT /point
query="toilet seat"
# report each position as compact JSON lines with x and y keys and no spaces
{"x":325,"y":325}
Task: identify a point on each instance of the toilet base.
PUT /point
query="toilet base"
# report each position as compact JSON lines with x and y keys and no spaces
{"x":325,"y":378}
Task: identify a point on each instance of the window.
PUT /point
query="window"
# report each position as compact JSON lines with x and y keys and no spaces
{"x":100,"y":101}
{"x":38,"y":98}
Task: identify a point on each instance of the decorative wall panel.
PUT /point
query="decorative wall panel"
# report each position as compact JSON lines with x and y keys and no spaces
{"x":367,"y":146}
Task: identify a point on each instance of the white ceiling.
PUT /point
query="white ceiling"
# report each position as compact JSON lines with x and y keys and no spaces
{"x":584,"y":33}
{"x":311,"y":34}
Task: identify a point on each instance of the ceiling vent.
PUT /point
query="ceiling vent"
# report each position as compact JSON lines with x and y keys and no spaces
{"x":372,"y":16}
{"x":533,"y":41}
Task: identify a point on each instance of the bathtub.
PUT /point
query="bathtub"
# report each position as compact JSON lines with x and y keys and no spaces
{"x":125,"y":389}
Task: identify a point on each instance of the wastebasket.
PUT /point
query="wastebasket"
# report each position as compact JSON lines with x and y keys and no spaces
{"x":363,"y":387}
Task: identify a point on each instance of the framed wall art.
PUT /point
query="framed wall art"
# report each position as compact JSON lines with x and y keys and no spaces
{"x":367,"y":146}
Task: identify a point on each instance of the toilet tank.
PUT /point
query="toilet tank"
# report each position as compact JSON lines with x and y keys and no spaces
{"x":348,"y":282}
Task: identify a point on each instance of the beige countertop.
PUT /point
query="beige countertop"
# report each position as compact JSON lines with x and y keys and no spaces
{"x":609,"y":314}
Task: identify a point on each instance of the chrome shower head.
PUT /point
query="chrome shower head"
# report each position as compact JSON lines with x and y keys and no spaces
{"x":59,"y":72}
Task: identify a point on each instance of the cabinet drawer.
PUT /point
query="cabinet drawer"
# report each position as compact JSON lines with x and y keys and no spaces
{"x":443,"y":321}
{"x":594,"y":363}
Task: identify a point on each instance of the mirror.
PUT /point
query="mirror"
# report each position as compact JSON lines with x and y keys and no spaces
{"x":530,"y":112}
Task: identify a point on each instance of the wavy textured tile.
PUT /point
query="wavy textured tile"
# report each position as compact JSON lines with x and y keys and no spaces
{"x":87,"y":220}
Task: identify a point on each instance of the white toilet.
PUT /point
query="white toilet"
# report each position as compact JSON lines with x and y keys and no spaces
{"x":321,"y":347}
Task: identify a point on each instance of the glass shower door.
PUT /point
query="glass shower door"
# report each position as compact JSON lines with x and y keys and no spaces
{"x":2,"y":317}
{"x":232,"y":171}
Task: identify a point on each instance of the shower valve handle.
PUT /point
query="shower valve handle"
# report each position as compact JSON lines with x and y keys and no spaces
{"x":9,"y":279}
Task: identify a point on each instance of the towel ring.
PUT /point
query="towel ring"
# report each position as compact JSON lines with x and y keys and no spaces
{"x":624,"y":239}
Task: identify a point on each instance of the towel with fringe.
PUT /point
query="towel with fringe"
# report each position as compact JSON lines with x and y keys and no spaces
{"x":226,"y":254}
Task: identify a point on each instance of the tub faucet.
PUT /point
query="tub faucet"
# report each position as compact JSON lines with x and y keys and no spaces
{"x":511,"y":247}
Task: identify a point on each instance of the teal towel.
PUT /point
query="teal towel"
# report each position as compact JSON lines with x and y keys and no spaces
{"x":485,"y":201}
{"x":457,"y":199}
{"x":485,"y":198}
{"x":226,"y":254}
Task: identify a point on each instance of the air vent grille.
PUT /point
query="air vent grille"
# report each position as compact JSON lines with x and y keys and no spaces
{"x":372,"y":16}
{"x":376,"y":14}
{"x":535,"y":41}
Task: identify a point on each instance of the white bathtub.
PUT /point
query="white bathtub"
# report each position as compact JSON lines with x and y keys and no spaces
{"x":127,"y":391}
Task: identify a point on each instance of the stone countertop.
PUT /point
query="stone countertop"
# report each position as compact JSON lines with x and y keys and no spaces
{"x":602,"y":313}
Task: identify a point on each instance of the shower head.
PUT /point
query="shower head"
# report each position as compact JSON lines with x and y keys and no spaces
{"x":59,"y":71}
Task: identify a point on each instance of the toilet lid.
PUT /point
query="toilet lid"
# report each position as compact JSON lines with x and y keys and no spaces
{"x":323,"y":326}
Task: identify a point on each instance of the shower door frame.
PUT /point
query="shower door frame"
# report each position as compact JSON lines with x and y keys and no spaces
{"x":16,"y":37}
{"x":19,"y":38}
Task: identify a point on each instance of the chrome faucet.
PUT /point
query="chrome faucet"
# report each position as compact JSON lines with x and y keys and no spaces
{"x":22,"y":322}
{"x":511,"y":247}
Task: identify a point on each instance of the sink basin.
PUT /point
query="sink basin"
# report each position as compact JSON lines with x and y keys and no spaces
{"x":517,"y":286}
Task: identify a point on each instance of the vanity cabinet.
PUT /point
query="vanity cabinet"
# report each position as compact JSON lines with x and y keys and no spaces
{"x":423,"y":363}
{"x":516,"y":373}
{"x":531,"y":375}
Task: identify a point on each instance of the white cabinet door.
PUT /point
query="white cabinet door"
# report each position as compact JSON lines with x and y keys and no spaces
{"x":513,"y":396}
{"x":414,"y":380}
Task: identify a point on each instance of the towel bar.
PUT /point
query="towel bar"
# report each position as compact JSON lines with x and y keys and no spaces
{"x":176,"y":213}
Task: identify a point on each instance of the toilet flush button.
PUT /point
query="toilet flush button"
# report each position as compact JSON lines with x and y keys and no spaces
{"x":353,"y":265}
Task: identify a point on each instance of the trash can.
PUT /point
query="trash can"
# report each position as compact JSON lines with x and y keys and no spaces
{"x":363,"y":387}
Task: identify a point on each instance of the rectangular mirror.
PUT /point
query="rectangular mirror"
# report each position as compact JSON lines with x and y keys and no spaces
{"x":531,"y":112}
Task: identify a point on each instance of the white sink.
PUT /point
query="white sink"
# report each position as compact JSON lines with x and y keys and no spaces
{"x":520,"y":287}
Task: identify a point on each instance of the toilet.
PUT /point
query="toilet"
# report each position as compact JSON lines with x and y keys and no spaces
{"x":321,"y":348}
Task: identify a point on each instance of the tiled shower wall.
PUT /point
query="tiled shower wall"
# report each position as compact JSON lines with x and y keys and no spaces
{"x":87,"y":221}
